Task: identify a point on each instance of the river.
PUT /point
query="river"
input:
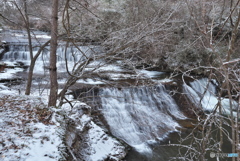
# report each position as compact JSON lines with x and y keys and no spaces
{"x":143,"y":109}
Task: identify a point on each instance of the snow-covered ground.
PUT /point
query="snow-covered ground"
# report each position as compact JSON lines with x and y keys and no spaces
{"x":26,"y":132}
{"x":100,"y":145}
{"x":10,"y":73}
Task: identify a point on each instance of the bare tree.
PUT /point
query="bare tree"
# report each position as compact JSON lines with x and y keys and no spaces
{"x":53,"y":55}
{"x":22,"y":8}
{"x":212,"y":31}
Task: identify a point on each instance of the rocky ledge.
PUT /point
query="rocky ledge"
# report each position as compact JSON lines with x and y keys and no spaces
{"x":87,"y":141}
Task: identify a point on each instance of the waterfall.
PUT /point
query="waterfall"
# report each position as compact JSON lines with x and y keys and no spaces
{"x":139,"y":115}
{"x":17,"y":53}
{"x":20,"y":53}
{"x":203,"y":92}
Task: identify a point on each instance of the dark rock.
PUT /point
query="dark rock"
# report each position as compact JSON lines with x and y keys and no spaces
{"x":2,"y":67}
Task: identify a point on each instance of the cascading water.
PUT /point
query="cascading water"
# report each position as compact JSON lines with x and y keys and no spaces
{"x":139,"y":115}
{"x":203,"y":92}
{"x":20,"y":53}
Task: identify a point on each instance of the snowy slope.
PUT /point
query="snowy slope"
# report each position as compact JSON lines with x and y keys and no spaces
{"x":26,"y":134}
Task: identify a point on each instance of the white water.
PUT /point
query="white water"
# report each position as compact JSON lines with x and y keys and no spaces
{"x":20,"y":53}
{"x":139,"y":115}
{"x":203,"y":94}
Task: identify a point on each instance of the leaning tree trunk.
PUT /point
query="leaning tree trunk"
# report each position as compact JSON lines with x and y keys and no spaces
{"x":53,"y":55}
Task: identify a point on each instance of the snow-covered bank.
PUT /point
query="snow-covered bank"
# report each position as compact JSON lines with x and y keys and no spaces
{"x":89,"y":140}
{"x":26,"y":132}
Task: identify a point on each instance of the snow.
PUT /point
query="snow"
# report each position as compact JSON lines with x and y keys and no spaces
{"x":19,"y":35}
{"x":90,"y":81}
{"x":32,"y":139}
{"x":84,"y":120}
{"x":43,"y":36}
{"x":43,"y":146}
{"x":9,"y":73}
{"x":150,"y":74}
{"x":118,"y":73}
{"x":166,"y":80}
{"x":102,"y":146}
{"x":9,"y":63}
{"x":82,"y":81}
{"x":3,"y":87}
{"x":120,"y":76}
{"x":7,"y":92}
{"x":25,"y":135}
{"x":110,"y":67}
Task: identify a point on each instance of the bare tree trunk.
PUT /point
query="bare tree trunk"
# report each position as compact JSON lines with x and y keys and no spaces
{"x":31,"y":68}
{"x":27,"y":26}
{"x":30,"y":73}
{"x":53,"y":55}
{"x":237,"y":128}
{"x":25,"y":16}
{"x":29,"y":80}
{"x":234,"y":35}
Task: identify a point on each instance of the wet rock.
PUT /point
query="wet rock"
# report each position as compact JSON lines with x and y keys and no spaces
{"x":2,"y":67}
{"x":184,"y":103}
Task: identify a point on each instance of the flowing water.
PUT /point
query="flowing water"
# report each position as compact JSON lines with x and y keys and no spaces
{"x":203,"y":93}
{"x":19,"y":53}
{"x":140,"y":115}
{"x":144,"y":117}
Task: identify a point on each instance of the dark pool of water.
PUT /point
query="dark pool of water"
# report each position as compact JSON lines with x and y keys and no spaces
{"x":164,"y":151}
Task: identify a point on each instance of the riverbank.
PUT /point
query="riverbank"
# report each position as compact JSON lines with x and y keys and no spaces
{"x":27,"y":132}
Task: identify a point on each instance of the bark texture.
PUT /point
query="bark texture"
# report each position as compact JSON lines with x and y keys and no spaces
{"x":53,"y":55}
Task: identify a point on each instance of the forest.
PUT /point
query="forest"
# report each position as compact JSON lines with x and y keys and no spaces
{"x":120,"y":45}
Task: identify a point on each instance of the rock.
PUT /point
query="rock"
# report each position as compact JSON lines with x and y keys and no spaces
{"x":2,"y":67}
{"x":87,"y":140}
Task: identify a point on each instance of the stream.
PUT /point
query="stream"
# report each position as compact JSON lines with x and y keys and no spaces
{"x":144,"y":110}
